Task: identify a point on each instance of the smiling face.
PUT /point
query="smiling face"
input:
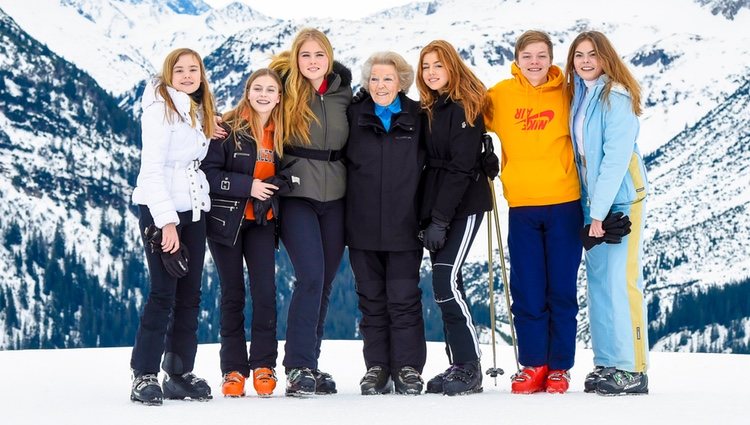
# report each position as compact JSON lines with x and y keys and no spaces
{"x":535,"y":61}
{"x":383,"y":84}
{"x":312,"y":61}
{"x":264,"y":94}
{"x":186,"y":74}
{"x":586,"y":61}
{"x":434,"y":74}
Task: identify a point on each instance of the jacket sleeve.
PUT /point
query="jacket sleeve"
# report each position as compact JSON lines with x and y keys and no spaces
{"x":221,"y":180}
{"x":156,"y":135}
{"x":464,"y":147}
{"x":620,"y":128}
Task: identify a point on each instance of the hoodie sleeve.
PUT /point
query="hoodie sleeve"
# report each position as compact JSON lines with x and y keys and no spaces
{"x":464,"y":147}
{"x":620,"y":132}
{"x":156,"y":134}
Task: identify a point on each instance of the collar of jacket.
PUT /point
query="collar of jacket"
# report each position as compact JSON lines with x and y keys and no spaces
{"x":339,"y":76}
{"x":151,"y":95}
{"x":406,"y":118}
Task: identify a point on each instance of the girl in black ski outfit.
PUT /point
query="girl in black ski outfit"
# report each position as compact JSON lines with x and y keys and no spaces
{"x":242,"y":171}
{"x":455,"y":194}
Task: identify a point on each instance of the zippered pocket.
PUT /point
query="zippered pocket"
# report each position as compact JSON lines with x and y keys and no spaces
{"x":223,"y":222}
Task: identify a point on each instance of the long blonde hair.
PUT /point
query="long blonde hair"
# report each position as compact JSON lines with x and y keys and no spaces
{"x":243,"y":118}
{"x":297,"y":113}
{"x":611,"y":64}
{"x":463,"y":86}
{"x":202,"y":98}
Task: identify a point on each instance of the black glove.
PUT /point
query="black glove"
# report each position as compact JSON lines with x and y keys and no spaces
{"x":152,"y":236}
{"x":260,"y":210}
{"x":361,"y":95}
{"x":177,"y":263}
{"x":435,"y":235}
{"x":615,"y":226}
{"x":490,"y":162}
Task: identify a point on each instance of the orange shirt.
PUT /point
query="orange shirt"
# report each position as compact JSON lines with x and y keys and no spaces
{"x":264,"y":166}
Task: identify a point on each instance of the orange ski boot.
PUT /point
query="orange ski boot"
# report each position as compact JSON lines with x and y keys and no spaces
{"x":264,"y":381}
{"x":558,"y":381}
{"x":233,"y":385}
{"x":530,"y":380}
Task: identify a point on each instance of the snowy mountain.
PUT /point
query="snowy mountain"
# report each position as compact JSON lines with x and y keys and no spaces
{"x":81,"y":387}
{"x":70,"y":150}
{"x":122,"y":42}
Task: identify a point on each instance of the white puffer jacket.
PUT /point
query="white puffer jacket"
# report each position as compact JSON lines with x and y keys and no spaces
{"x":170,"y":180}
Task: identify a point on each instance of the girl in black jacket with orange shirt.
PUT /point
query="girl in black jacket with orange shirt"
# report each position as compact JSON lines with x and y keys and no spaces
{"x":455,"y":194}
{"x":242,"y":173}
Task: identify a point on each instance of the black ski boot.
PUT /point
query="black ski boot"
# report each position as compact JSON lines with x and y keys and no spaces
{"x":463,"y":379}
{"x":589,"y":384}
{"x":324,"y":383}
{"x":300,"y":382}
{"x":187,"y":385}
{"x":146,"y":390}
{"x":435,"y":385}
{"x":377,"y":380}
{"x":622,"y":382}
{"x":408,"y":381}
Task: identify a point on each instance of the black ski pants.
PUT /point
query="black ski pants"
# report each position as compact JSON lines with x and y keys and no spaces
{"x":390,"y":301}
{"x":313,"y":235}
{"x":255,"y":244}
{"x":169,"y":323}
{"x":462,"y":345}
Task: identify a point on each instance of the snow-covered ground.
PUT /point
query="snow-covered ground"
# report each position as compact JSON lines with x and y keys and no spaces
{"x":91,"y":386}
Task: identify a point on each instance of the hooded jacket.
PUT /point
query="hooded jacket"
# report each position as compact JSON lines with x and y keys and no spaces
{"x":325,"y":181}
{"x":383,"y":178}
{"x":170,"y":180}
{"x":537,"y":154}
{"x":614,"y":173}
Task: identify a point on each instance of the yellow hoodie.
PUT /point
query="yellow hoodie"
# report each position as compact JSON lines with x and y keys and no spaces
{"x":537,"y":154}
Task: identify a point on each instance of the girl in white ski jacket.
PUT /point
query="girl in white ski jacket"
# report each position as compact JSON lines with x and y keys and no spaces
{"x":172,"y":194}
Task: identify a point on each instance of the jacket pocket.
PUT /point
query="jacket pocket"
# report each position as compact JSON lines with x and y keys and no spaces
{"x":634,"y":187}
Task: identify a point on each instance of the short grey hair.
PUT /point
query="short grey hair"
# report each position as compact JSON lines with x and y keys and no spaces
{"x":403,"y":69}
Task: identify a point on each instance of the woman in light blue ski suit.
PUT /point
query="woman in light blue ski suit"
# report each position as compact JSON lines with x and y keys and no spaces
{"x":604,"y":125}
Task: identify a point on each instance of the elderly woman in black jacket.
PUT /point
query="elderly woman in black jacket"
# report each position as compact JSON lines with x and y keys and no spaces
{"x":384,"y":161}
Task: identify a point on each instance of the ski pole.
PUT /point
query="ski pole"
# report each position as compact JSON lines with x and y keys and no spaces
{"x":504,"y":275}
{"x":494,"y":371}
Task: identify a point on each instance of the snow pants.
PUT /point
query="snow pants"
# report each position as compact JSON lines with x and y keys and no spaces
{"x":462,"y":345}
{"x":617,"y":310}
{"x":313,"y":235}
{"x":390,"y":301}
{"x":256,"y":246}
{"x":545,"y":253}
{"x":169,"y":323}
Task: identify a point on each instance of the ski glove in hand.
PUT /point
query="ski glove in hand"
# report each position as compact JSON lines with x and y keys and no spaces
{"x":615,"y":227}
{"x":490,"y":161}
{"x":435,"y":235}
{"x":285,"y":183}
{"x":177,"y":263}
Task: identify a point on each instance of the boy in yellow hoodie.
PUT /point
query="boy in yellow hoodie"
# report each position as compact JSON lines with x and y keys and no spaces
{"x":540,"y":183}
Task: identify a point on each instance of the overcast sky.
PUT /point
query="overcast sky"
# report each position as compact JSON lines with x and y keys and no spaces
{"x":319,"y":8}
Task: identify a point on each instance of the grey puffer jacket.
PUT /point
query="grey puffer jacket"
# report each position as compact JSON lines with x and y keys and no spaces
{"x":321,"y":180}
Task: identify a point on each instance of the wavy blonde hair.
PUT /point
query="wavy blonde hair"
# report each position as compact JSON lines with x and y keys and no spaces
{"x":611,"y":64}
{"x":243,"y":118}
{"x":463,"y":86}
{"x":297,"y":113}
{"x":202,"y":98}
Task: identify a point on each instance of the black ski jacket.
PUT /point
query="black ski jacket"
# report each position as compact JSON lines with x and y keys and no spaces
{"x":229,"y":172}
{"x":383,"y":171}
{"x":453,"y":183}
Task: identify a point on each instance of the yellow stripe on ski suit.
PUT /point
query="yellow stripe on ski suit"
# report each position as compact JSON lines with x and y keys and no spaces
{"x":633,"y":269}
